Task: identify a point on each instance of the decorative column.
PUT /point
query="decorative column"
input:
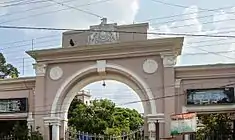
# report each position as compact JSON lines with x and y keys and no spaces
{"x":56,"y":131}
{"x":169,"y":61}
{"x":39,"y":97}
{"x":64,"y":128}
{"x":30,"y":122}
{"x":55,"y":123}
{"x":178,"y":103}
{"x":154,"y":121}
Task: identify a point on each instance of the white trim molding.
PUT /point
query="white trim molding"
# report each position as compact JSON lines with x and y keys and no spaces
{"x":52,"y":121}
{"x":61,"y":107}
{"x":208,"y":108}
{"x":152,"y":118}
{"x":14,"y":116}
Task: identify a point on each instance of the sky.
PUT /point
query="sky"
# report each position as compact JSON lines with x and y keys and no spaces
{"x":167,"y":16}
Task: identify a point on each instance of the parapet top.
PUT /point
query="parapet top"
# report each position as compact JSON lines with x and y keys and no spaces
{"x":108,"y":33}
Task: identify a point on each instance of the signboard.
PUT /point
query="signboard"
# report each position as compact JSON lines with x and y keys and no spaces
{"x":210,"y":96}
{"x":14,"y":105}
{"x":183,"y":123}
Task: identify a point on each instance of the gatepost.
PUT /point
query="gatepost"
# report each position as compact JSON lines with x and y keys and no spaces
{"x":154,"y":121}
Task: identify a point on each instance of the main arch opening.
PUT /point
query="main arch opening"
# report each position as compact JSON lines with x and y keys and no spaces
{"x":119,"y":93}
{"x":108,"y":108}
{"x":74,"y":85}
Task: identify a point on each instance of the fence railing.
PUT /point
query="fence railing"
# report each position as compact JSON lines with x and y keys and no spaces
{"x":213,"y":136}
{"x":8,"y":137}
{"x":134,"y":135}
{"x":13,"y":137}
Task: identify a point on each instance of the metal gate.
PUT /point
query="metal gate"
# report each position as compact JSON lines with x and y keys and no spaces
{"x":213,"y":136}
{"x":134,"y":135}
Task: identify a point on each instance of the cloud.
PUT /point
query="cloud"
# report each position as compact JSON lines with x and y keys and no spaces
{"x":3,"y":10}
{"x":203,"y":50}
{"x":59,"y":16}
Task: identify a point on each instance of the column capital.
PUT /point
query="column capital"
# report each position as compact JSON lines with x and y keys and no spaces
{"x":169,"y":59}
{"x":177,"y":83}
{"x":152,"y":118}
{"x":30,"y":118}
{"x":52,"y":121}
{"x":40,"y":69}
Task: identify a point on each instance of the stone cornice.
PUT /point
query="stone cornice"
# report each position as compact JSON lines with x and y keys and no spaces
{"x":205,"y":71}
{"x":109,"y":51}
{"x":209,"y":108}
{"x":24,"y":83}
{"x":14,"y":116}
{"x":133,"y":25}
{"x":17,"y":80}
{"x":206,"y":76}
{"x":204,"y":67}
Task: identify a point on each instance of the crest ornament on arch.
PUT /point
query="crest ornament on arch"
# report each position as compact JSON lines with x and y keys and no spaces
{"x":106,"y":33}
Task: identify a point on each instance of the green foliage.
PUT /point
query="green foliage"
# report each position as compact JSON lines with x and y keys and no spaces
{"x":7,"y":69}
{"x":214,"y":125}
{"x":103,"y":117}
{"x":20,"y":131}
{"x":36,"y":135}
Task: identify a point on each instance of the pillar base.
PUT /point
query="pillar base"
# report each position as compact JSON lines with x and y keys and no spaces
{"x":55,"y":123}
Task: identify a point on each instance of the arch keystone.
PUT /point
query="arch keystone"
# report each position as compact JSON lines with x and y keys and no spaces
{"x":101,"y":67}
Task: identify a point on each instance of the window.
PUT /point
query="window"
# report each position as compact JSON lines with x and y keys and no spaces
{"x":13,"y":105}
{"x":210,"y":96}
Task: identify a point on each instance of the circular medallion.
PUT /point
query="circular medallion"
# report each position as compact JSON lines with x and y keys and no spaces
{"x":56,"y":73}
{"x":150,"y":66}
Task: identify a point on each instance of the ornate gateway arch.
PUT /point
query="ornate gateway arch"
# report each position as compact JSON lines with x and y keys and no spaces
{"x":144,"y":65}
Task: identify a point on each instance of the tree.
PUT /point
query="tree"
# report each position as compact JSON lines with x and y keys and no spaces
{"x":20,"y":131}
{"x":103,"y":117}
{"x":6,"y":69}
{"x":214,"y":126}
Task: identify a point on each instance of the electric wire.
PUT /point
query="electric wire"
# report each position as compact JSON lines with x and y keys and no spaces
{"x":211,"y":10}
{"x":130,"y":32}
{"x":31,"y":9}
{"x":23,"y":3}
{"x":176,"y":5}
{"x":50,"y":12}
{"x":210,"y":52}
{"x":189,"y":43}
{"x":12,"y":1}
{"x":59,"y":35}
{"x":48,"y":112}
{"x":186,"y":14}
{"x":72,"y":7}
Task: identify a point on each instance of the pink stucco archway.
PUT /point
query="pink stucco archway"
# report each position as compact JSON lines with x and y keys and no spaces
{"x":81,"y":78}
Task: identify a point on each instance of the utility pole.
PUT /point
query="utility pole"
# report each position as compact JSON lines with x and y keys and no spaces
{"x":23,"y":66}
{"x":157,"y":130}
{"x":32,"y":44}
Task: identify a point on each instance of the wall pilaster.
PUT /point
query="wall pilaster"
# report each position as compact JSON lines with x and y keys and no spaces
{"x":169,"y":61}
